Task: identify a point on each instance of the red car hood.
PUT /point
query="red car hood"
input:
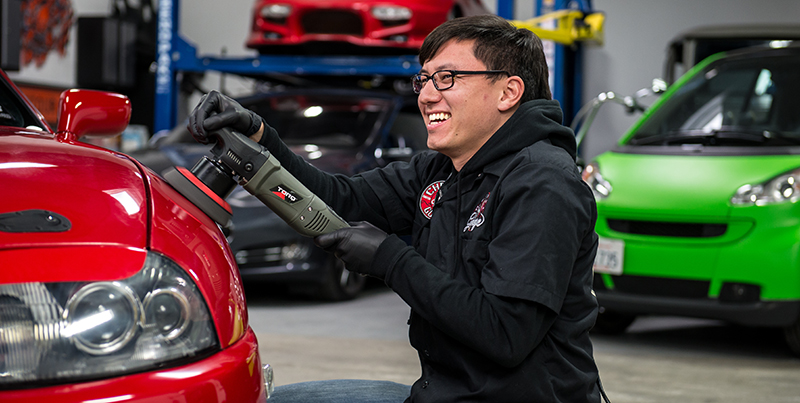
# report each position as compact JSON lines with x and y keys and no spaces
{"x":101,"y":195}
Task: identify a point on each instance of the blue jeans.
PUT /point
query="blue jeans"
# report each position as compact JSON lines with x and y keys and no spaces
{"x":341,"y":391}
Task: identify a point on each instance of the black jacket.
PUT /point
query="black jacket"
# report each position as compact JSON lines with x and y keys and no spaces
{"x":499,"y":273}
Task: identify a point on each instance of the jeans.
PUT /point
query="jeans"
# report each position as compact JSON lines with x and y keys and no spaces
{"x":341,"y":391}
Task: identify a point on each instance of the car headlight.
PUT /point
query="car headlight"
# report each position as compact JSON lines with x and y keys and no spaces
{"x":62,"y":332}
{"x":782,"y":188}
{"x":390,"y":13}
{"x":276,"y":11}
{"x":600,"y":187}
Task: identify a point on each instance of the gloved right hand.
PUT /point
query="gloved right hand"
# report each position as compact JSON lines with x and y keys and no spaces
{"x":215,"y":111}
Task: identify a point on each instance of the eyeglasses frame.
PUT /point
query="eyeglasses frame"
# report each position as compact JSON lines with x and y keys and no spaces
{"x":454,"y":73}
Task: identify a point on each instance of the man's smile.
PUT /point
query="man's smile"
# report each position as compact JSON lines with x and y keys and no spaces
{"x":435,"y":119}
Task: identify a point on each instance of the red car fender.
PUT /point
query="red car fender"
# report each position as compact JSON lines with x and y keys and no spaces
{"x":188,"y":236}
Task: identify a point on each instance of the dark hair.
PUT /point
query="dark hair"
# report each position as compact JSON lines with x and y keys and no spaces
{"x":500,"y":46}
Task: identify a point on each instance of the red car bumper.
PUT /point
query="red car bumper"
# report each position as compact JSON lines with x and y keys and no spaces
{"x":232,"y":375}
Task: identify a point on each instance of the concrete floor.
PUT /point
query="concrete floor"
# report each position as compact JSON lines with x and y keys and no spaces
{"x":657,"y":360}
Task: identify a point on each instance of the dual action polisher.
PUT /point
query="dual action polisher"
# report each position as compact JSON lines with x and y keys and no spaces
{"x":237,"y":159}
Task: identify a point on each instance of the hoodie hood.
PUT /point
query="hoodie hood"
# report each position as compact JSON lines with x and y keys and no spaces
{"x":534,"y":121}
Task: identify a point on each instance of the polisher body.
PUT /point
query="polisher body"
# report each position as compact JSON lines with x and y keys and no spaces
{"x":235,"y":156}
{"x":292,"y":201}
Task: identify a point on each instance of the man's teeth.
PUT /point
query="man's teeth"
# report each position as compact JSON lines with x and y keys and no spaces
{"x":437,"y":117}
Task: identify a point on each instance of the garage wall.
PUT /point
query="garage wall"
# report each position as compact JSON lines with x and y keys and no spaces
{"x":636,"y":36}
{"x":59,"y":70}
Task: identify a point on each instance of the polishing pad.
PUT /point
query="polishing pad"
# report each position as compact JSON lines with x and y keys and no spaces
{"x":198,"y":193}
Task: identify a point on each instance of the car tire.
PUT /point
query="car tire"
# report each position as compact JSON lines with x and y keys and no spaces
{"x":612,"y":322}
{"x":792,"y":335}
{"x":340,"y":284}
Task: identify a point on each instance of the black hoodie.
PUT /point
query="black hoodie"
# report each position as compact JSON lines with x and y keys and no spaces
{"x":499,"y":272}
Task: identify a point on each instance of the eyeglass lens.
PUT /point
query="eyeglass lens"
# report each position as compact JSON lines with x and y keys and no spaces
{"x":442,"y":80}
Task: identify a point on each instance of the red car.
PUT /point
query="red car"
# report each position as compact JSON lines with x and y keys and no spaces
{"x":350,"y":26}
{"x":113,"y":287}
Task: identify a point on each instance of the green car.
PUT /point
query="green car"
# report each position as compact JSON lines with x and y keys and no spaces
{"x":698,"y":211}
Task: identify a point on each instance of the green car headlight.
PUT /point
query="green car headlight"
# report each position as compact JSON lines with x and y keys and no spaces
{"x":63,"y":332}
{"x":600,"y":187}
{"x":782,"y":188}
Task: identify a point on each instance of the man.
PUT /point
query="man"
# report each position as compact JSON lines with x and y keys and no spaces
{"x":498,"y":275}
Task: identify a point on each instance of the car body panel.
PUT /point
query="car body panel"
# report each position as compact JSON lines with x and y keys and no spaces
{"x":90,"y":186}
{"x":57,"y":263}
{"x":687,"y":247}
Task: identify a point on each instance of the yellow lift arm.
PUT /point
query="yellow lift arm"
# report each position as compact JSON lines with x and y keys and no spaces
{"x":570,"y":26}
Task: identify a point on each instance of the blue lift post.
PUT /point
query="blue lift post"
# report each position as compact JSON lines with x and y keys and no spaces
{"x":567,"y":61}
{"x":174,"y":54}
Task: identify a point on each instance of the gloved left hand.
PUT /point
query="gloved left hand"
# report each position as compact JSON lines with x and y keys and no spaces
{"x":356,"y":246}
{"x":215,"y":111}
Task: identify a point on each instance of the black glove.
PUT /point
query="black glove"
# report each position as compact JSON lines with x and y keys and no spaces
{"x":356,"y":247}
{"x":215,"y":111}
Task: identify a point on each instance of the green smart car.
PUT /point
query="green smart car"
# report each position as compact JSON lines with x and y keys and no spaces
{"x":698,"y":211}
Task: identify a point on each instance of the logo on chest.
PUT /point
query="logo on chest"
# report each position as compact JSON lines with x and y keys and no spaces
{"x":476,"y":219}
{"x":428,"y":198}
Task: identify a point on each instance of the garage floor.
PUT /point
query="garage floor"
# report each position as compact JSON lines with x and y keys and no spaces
{"x":658,"y":360}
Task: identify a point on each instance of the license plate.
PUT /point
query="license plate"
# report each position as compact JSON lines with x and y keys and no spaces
{"x":609,"y":257}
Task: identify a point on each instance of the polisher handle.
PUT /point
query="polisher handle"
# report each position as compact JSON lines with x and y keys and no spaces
{"x":292,"y":201}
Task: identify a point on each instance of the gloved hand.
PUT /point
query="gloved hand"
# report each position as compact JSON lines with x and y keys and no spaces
{"x":356,"y":247}
{"x":215,"y":111}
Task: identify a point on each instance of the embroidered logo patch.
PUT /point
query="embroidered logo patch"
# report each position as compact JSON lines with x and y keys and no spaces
{"x":477,"y":218}
{"x":428,"y":198}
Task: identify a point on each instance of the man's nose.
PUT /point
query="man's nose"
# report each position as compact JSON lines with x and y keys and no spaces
{"x":428,"y":93}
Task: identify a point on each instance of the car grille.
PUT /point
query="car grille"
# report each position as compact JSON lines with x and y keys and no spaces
{"x":655,"y":286}
{"x":332,"y":22}
{"x":658,"y":228}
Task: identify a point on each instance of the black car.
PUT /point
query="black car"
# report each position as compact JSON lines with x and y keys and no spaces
{"x":338,"y":131}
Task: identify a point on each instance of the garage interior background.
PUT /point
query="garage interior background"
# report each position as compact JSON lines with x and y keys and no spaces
{"x":636,"y":36}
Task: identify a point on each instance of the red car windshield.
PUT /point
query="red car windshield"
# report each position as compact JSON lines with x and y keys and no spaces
{"x":13,"y":112}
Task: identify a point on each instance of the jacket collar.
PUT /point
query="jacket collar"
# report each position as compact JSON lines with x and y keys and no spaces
{"x":534,"y":121}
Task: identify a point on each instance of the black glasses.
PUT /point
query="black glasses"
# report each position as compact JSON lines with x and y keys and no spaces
{"x":444,"y":79}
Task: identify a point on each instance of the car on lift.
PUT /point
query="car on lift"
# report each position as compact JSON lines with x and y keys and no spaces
{"x":698,"y":203}
{"x":341,"y":131}
{"x":350,"y":26}
{"x":112,"y":285}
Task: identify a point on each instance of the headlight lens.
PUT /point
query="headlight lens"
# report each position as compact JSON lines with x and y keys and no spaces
{"x":782,"y":188}
{"x":600,"y":187}
{"x":389,"y":13}
{"x":102,"y":317}
{"x":276,"y":11}
{"x":63,"y":332}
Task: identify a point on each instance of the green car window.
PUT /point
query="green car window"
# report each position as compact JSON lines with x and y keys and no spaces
{"x":739,"y":102}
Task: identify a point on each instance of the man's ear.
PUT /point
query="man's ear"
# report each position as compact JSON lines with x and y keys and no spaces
{"x":512,"y":93}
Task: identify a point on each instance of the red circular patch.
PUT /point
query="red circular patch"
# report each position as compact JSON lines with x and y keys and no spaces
{"x":428,"y":198}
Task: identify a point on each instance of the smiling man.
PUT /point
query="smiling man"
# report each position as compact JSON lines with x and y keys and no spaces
{"x":499,"y":271}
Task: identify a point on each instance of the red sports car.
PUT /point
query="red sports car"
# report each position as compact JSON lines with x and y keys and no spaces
{"x":350,"y":26}
{"x":113,"y":287}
